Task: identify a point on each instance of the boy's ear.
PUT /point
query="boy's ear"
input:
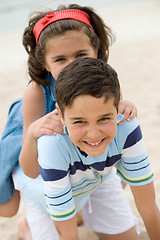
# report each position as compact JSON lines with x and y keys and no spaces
{"x":60,"y":114}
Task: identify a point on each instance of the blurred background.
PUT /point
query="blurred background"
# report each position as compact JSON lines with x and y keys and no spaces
{"x":15,"y":13}
{"x":135,"y":55}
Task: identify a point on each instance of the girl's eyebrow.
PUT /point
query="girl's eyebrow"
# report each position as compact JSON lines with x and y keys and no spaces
{"x":56,"y":57}
{"x":62,"y":56}
{"x":82,"y":50}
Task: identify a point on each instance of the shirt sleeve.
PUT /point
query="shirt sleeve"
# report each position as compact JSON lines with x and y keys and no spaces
{"x":53,"y":161}
{"x":134,"y":167}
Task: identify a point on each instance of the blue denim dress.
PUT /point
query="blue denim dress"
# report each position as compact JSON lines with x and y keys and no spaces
{"x":11,"y":140}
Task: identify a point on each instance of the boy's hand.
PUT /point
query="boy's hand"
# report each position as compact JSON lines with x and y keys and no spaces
{"x":128,"y":110}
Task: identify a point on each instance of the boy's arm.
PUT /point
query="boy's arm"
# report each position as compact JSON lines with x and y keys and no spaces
{"x":144,"y":197}
{"x":67,"y":230}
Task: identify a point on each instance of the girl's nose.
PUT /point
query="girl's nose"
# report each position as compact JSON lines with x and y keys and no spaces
{"x":70,"y":60}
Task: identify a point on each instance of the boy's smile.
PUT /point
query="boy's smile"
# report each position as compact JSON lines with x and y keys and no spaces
{"x":91,"y":123}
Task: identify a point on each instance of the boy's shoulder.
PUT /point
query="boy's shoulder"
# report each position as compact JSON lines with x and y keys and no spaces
{"x":126,"y":130}
{"x":58,"y":146}
{"x":127,"y":126}
{"x":53,"y":142}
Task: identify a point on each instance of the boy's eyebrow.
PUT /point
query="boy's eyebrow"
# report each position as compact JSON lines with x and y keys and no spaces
{"x":103,"y":115}
{"x":107,"y":114}
{"x":76,"y":118}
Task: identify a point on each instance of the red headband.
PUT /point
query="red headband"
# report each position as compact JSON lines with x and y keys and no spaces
{"x":56,"y":16}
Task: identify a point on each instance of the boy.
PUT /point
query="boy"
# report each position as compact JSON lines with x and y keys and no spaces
{"x":75,"y":164}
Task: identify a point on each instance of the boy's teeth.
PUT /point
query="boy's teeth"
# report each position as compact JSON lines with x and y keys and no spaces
{"x":94,"y":144}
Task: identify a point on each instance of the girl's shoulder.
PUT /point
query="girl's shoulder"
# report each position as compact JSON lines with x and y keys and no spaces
{"x":33,"y":91}
{"x":33,"y":101}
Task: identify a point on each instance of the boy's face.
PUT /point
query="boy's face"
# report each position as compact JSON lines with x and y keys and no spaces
{"x":91,"y":123}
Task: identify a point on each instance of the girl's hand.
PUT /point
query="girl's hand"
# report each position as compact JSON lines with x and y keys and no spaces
{"x":49,"y":124}
{"x":128,"y":110}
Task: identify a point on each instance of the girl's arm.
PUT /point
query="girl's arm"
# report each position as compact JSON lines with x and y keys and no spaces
{"x":67,"y":230}
{"x":144,"y":197}
{"x":36,"y":123}
{"x":10,"y":208}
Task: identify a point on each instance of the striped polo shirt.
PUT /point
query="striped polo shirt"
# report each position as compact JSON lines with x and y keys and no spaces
{"x":70,"y":176}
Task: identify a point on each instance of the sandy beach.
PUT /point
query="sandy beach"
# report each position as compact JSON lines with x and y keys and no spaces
{"x":134,"y":55}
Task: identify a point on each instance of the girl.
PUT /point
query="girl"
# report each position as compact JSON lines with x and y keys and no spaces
{"x":52,"y":40}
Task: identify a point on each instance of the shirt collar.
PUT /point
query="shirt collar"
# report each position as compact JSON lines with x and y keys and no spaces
{"x":120,"y":118}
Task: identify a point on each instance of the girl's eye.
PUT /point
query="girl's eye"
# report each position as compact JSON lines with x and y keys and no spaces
{"x":81,"y":55}
{"x":60,"y":60}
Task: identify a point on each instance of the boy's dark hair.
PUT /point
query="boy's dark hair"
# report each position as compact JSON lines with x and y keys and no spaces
{"x":87,"y":76}
{"x":100,"y":39}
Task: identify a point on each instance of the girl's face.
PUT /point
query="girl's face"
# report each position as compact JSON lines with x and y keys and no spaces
{"x":65,"y":48}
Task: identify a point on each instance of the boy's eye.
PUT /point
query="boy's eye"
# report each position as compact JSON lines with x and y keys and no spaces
{"x":79,"y":122}
{"x":105,"y":119}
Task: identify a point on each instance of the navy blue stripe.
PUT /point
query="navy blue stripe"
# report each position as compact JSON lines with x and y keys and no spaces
{"x":135,"y":162}
{"x":138,"y":169}
{"x":52,"y":174}
{"x":58,"y":195}
{"x":110,"y":161}
{"x":61,"y":203}
{"x":99,"y":166}
{"x":133,"y":137}
{"x":78,"y":166}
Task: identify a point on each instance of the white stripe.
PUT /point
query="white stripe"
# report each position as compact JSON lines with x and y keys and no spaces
{"x":106,"y":171}
{"x":135,"y":150}
{"x":80,"y":175}
{"x":56,"y":185}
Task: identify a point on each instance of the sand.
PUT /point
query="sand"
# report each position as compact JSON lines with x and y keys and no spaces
{"x":134,"y":55}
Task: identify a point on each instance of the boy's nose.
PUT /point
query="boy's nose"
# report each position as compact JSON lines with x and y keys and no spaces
{"x":93,"y":134}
